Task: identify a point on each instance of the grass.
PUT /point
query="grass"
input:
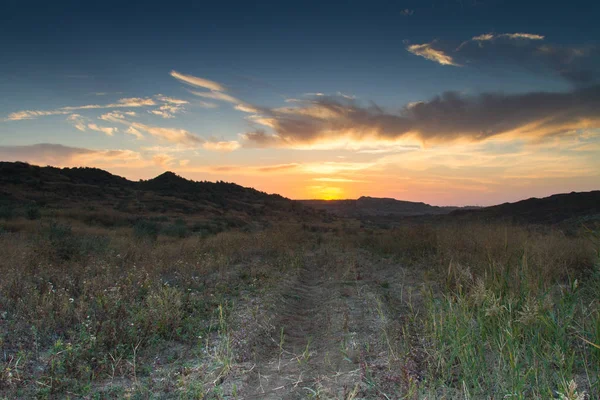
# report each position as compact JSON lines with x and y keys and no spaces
{"x":79,"y":306}
{"x":509,"y":312}
{"x":458,"y":311}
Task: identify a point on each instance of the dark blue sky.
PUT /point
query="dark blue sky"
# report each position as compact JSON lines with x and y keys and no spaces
{"x":316,"y":45}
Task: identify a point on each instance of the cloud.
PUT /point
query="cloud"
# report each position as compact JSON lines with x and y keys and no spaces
{"x":132,"y":131}
{"x":339,"y":122}
{"x":107,"y":130}
{"x":170,"y":107}
{"x":222,"y":146}
{"x":216,"y":92}
{"x":163,"y":160}
{"x":171,"y":100}
{"x":247,"y":108}
{"x":174,"y":135}
{"x":81,"y":123}
{"x":428,"y":51}
{"x":407,"y":12}
{"x":336,"y":180}
{"x":216,"y":96}
{"x":207,"y":104}
{"x":126,"y":102}
{"x":491,"y":36}
{"x":77,"y":121}
{"x":278,"y":167}
{"x":59,"y":155}
{"x":167,"y":110}
{"x":578,"y":65}
{"x":31,"y":114}
{"x":199,"y":82}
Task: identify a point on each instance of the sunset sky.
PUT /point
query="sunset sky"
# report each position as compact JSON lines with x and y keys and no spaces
{"x":446,"y":102}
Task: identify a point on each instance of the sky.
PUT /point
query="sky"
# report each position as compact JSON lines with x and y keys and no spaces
{"x":453,"y":102}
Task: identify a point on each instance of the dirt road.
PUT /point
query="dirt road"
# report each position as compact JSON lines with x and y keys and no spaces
{"x":335,"y":333}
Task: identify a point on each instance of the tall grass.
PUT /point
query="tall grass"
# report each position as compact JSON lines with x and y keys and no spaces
{"x":80,"y":305}
{"x":510,"y":311}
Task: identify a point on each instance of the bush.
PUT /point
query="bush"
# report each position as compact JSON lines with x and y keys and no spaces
{"x":63,"y":243}
{"x":33,"y":212}
{"x":146,"y":230}
{"x":6,"y":212}
{"x":178,"y":229}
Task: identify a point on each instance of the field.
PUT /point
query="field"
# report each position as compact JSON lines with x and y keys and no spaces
{"x":329,"y":310}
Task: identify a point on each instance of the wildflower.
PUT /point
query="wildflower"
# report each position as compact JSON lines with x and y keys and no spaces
{"x":530,"y":312}
{"x":493,"y":307}
{"x":570,"y":392}
{"x":478,"y":292}
{"x":71,"y":300}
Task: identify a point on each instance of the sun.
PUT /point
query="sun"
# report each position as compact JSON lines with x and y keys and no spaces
{"x":326,"y":192}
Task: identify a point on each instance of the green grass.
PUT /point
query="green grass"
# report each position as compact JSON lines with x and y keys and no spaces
{"x":510,"y":313}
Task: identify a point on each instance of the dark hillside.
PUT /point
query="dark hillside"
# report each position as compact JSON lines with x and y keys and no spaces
{"x":92,"y":190}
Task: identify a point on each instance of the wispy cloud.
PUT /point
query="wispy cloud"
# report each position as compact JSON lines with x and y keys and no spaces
{"x":83,"y":124}
{"x":107,"y":130}
{"x":578,"y":65}
{"x":131,"y":102}
{"x":173,"y":135}
{"x":337,"y":180}
{"x":170,"y":107}
{"x":207,"y":104}
{"x":59,"y":155}
{"x":132,"y":131}
{"x":222,"y":146}
{"x":216,"y":96}
{"x":171,"y":100}
{"x":216,"y":92}
{"x":428,"y":51}
{"x":77,"y":121}
{"x":170,"y":134}
{"x":492,"y":36}
{"x":163,"y":160}
{"x":199,"y":82}
{"x":31,"y":114}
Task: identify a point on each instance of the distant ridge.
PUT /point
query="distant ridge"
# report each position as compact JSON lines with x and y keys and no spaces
{"x":547,"y":210}
{"x":366,"y":206}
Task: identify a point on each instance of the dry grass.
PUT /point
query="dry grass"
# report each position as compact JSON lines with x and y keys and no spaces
{"x":498,"y":310}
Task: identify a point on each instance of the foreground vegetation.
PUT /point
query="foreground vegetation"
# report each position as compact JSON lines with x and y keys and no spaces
{"x":419,"y":311}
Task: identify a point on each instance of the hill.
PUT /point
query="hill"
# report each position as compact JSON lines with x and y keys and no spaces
{"x":555,"y":209}
{"x":94,"y":193}
{"x":377,"y":207}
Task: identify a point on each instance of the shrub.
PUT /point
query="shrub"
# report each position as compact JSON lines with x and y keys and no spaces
{"x":63,"y":244}
{"x":146,"y":230}
{"x":33,"y":212}
{"x":6,"y":212}
{"x":178,"y":229}
{"x":165,"y":310}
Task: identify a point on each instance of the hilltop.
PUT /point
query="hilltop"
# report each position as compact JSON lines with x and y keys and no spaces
{"x":110,"y":199}
{"x":558,"y":208}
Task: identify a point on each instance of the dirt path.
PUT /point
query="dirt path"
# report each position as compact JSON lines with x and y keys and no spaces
{"x":306,"y":348}
{"x":329,"y":328}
